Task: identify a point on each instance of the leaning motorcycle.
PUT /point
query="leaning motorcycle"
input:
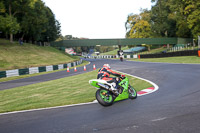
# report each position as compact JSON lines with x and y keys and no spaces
{"x":106,"y":96}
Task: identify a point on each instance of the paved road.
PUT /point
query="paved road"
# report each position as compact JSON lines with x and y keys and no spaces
{"x":50,"y":76}
{"x":174,"y":108}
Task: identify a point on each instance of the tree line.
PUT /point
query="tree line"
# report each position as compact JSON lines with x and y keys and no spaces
{"x":167,"y":18}
{"x":31,"y":20}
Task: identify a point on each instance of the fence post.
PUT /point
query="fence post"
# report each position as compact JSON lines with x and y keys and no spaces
{"x":138,"y":56}
{"x":199,"y":46}
{"x":199,"y":53}
{"x":199,"y":42}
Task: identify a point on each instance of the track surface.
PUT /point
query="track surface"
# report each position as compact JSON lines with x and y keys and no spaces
{"x":174,"y":108}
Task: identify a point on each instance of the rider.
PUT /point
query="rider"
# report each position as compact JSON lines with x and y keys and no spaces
{"x":104,"y":74}
{"x":121,"y":53}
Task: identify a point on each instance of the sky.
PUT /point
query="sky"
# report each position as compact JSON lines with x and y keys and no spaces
{"x":95,"y":19}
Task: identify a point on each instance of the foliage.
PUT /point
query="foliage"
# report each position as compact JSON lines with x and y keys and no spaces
{"x":140,"y":30}
{"x":28,"y":19}
{"x":138,"y":26}
{"x":193,"y":20}
{"x":177,"y":9}
{"x":162,"y":24}
{"x":167,"y":18}
{"x":9,"y":24}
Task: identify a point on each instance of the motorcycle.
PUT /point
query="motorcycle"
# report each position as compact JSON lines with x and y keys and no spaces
{"x":121,"y":58}
{"x":106,"y":96}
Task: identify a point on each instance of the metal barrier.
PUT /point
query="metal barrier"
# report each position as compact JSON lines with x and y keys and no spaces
{"x":32,"y":70}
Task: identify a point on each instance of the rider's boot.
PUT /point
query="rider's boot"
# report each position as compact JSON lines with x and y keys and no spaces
{"x":114,"y":88}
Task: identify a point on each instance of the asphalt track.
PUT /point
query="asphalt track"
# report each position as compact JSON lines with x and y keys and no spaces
{"x":174,"y":108}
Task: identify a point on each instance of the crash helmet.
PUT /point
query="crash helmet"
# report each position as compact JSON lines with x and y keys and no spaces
{"x":107,"y":66}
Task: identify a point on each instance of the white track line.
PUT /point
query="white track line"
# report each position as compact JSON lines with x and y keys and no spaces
{"x":155,"y":86}
{"x":23,"y":111}
{"x":40,"y":109}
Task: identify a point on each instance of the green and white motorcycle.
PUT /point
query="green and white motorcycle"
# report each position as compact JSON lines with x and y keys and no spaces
{"x":106,"y":96}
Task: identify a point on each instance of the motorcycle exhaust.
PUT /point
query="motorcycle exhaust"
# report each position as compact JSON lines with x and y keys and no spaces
{"x":104,"y":86}
{"x":116,"y":93}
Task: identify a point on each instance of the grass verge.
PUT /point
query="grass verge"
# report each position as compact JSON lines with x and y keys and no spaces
{"x":113,"y":52}
{"x":15,"y":56}
{"x":36,"y":74}
{"x":182,"y":59}
{"x":65,"y":91}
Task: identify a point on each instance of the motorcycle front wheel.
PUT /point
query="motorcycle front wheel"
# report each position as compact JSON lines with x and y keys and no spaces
{"x":104,"y":97}
{"x":121,"y":59}
{"x":132,"y":92}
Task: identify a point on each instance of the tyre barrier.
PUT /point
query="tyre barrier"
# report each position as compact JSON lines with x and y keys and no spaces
{"x":32,"y":70}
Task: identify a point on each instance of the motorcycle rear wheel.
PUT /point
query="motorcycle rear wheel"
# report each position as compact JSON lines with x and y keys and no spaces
{"x":132,"y":92}
{"x":104,"y":98}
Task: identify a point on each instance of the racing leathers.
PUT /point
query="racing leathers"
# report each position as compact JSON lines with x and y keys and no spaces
{"x":104,"y":74}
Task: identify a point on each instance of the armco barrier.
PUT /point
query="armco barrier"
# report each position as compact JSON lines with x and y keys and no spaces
{"x":49,"y":68}
{"x":2,"y":74}
{"x":11,"y":73}
{"x":32,"y":70}
{"x":23,"y":71}
{"x":55,"y":67}
{"x":42,"y":69}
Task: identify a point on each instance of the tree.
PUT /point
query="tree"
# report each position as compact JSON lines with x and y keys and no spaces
{"x":2,"y":7}
{"x":138,"y":25}
{"x":192,"y":10}
{"x":177,"y":8}
{"x":2,"y":11}
{"x":186,"y":14}
{"x":29,"y":19}
{"x":162,"y":24}
{"x":140,"y":30}
{"x":52,"y":27}
{"x":168,"y":18}
{"x":39,"y":24}
{"x":9,"y":25}
{"x":12,"y":8}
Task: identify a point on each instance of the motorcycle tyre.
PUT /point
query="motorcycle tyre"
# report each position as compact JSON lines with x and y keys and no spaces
{"x":130,"y":95}
{"x":101,"y":101}
{"x":121,"y":59}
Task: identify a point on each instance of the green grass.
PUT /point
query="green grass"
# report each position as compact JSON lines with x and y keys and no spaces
{"x":181,"y":59}
{"x":113,"y":52}
{"x":36,"y":74}
{"x":65,"y":91}
{"x":14,"y":56}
